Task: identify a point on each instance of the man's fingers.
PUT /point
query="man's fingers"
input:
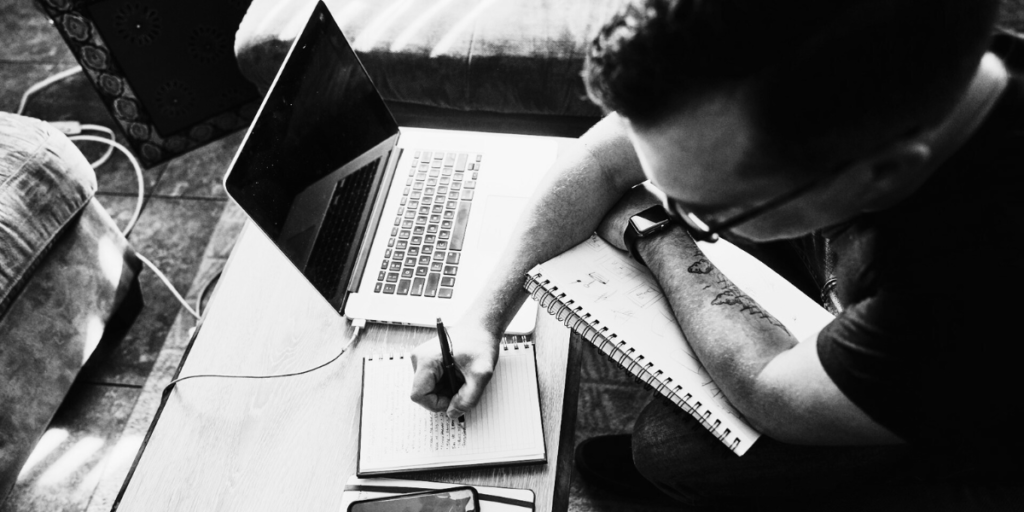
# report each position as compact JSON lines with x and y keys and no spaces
{"x":469,"y":394}
{"x":424,"y":380}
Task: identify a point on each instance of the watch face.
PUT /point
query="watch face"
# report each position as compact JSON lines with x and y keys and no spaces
{"x":649,"y":219}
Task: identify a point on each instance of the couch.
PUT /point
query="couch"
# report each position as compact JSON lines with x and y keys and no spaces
{"x":68,"y":281}
{"x":482,"y":65}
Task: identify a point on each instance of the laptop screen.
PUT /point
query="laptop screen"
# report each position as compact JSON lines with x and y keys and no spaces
{"x":311,"y":166}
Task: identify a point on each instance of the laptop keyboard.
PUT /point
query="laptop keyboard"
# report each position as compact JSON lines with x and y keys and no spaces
{"x":422,"y":258}
{"x":326,"y":261}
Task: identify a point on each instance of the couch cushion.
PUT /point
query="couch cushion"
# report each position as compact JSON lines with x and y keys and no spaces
{"x":521,"y":57}
{"x":44,"y":182}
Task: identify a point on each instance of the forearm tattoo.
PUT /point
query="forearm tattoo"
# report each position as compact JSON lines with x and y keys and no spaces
{"x":729,"y":295}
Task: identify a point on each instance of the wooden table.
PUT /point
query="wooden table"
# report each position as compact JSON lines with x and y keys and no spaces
{"x":290,"y":444}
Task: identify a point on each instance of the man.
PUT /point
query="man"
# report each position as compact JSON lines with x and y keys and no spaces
{"x":883,"y":142}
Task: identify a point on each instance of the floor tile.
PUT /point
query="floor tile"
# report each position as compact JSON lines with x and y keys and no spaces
{"x":84,"y":436}
{"x":172,"y":234}
{"x":200,"y":173}
{"x":27,"y":36}
{"x":17,"y":77}
{"x":226,"y":233}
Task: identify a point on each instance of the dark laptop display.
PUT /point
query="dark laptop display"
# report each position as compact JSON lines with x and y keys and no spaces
{"x":311,"y":167}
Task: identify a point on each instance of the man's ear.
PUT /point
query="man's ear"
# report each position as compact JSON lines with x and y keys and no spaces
{"x":893,"y":174}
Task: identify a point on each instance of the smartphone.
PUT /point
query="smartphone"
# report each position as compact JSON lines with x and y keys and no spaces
{"x":455,"y":499}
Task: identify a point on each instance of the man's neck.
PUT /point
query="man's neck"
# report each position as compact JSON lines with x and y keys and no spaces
{"x":970,"y":112}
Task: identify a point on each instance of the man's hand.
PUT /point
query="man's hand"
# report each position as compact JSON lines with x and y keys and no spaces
{"x":615,"y":221}
{"x":476,"y":353}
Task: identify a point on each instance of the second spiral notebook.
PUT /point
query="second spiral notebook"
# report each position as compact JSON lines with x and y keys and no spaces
{"x":505,"y":427}
{"x":616,"y":305}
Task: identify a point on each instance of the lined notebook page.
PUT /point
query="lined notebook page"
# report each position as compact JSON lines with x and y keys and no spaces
{"x":398,"y":435}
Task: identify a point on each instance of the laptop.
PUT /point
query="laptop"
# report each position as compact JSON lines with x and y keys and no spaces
{"x":388,"y":225}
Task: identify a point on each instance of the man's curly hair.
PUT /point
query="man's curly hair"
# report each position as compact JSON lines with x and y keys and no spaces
{"x":827,"y":79}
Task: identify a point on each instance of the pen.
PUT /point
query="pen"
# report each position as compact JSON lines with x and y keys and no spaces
{"x":451,"y":372}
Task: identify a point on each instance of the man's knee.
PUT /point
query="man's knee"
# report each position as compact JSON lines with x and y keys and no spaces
{"x":676,"y":453}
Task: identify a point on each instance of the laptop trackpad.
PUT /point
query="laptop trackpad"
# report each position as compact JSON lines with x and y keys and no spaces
{"x":501,"y":213}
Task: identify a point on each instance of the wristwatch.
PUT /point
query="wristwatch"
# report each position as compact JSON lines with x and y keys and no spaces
{"x":645,"y":224}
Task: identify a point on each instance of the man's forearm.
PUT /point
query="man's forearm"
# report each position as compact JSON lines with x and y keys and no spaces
{"x":731,"y":335}
{"x":567,"y":207}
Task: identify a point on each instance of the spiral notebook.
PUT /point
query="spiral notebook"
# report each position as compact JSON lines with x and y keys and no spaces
{"x":615,"y":304}
{"x":396,"y":435}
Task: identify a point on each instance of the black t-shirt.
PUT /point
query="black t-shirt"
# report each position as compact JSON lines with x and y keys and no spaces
{"x":930,"y":342}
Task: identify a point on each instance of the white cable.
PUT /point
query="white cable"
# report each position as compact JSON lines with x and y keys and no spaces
{"x":43,"y":83}
{"x":167,"y":282}
{"x":110,"y":149}
{"x":138,"y":173}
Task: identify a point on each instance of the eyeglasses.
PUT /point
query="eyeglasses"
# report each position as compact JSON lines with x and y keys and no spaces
{"x":709,"y":231}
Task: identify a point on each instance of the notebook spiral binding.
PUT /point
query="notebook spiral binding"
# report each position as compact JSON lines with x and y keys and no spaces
{"x":618,"y":350}
{"x":508,"y":342}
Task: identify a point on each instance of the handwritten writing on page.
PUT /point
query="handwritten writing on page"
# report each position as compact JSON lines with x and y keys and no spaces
{"x":396,"y":434}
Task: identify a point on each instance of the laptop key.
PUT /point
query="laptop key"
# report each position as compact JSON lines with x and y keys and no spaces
{"x":415,"y":251}
{"x":403,"y":286}
{"x":389,"y":288}
{"x":399,"y":255}
{"x":446,"y":224}
{"x":416,"y":240}
{"x":436,"y":266}
{"x":409,"y":262}
{"x":450,"y":214}
{"x":448,"y":281}
{"x":444,"y":235}
{"x":437,"y":208}
{"x":395,"y":266}
{"x":453,"y":258}
{"x":406,"y":272}
{"x":449,"y":159}
{"x":471,"y":183}
{"x":427,"y":249}
{"x":377,"y":287}
{"x":404,"y":234}
{"x":467,"y":195}
{"x":444,"y":293}
{"x":431,"y":289}
{"x":417,"y":287}
{"x":450,"y":270}
{"x":430,"y":239}
{"x":424,"y":259}
{"x":461,"y":221}
{"x":478,"y":157}
{"x":432,"y":182}
{"x":418,"y":230}
{"x":392,"y":277}
{"x":421,"y":271}
{"x":380,"y":276}
{"x":461,"y":164}
{"x":387,"y":253}
{"x":432,"y":228}
{"x":407,"y":224}
{"x":402,"y":244}
{"x":454,"y":194}
{"x":439,"y":255}
{"x":394,"y":231}
{"x":441,"y":246}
